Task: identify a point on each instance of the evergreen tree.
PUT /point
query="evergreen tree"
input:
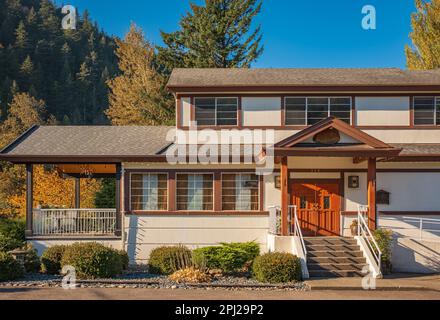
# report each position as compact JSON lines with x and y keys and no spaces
{"x":138,"y":95}
{"x":425,"y":53}
{"x":216,"y":35}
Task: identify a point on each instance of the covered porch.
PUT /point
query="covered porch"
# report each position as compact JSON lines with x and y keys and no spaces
{"x":70,"y":223}
{"x":317,"y":165}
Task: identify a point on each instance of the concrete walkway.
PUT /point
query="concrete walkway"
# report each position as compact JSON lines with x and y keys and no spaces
{"x":402,"y":282}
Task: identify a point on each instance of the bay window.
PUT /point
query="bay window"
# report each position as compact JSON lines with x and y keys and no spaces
{"x":240,"y":192}
{"x":195,"y":192}
{"x":149,"y":192}
{"x":310,"y":110}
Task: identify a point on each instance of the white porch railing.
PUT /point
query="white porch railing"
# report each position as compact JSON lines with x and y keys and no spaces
{"x":297,"y":232}
{"x":365,"y":234}
{"x":74,"y":222}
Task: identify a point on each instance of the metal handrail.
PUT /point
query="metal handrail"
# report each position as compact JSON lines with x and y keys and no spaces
{"x":298,"y":231}
{"x":365,"y":232}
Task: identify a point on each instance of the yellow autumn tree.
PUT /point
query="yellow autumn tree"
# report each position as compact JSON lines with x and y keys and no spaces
{"x":138,"y":96}
{"x":425,"y":52}
{"x":52,"y":191}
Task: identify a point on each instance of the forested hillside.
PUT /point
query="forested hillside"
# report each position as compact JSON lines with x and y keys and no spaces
{"x":67,"y":69}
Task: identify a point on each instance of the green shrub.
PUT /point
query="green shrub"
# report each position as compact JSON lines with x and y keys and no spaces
{"x":32,"y":263}
{"x":167,"y":260}
{"x":384,"y":239}
{"x":277,"y":268}
{"x":124,"y":259}
{"x":230,"y":257}
{"x":12,"y":234}
{"x":92,"y":260}
{"x":51,"y":259}
{"x":10,"y":269}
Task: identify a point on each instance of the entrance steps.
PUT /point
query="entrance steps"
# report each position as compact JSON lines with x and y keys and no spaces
{"x":332,"y":257}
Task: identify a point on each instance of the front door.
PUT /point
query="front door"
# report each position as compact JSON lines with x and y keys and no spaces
{"x":318,"y":205}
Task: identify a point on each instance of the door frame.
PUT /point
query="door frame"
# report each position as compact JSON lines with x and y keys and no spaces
{"x":340,"y":182}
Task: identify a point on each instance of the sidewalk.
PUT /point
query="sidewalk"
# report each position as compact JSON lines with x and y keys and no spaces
{"x":402,"y":282}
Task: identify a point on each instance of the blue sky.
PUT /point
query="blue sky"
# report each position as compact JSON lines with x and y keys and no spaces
{"x":297,"y":33}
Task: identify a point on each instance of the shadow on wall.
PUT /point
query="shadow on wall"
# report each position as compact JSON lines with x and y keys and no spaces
{"x":415,"y":256}
{"x":135,"y":235}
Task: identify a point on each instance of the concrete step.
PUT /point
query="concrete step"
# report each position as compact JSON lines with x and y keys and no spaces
{"x":330,"y":241}
{"x":335,"y":266}
{"x":329,"y":248}
{"x":335,"y":274}
{"x":339,"y":260}
{"x":334,"y":254}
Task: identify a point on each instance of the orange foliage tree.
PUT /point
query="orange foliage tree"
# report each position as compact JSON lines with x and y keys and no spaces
{"x":53,"y":191}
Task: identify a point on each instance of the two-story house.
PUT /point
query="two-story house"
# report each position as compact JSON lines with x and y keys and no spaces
{"x":288,"y":152}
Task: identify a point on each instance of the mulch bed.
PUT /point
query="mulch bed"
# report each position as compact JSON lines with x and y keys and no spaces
{"x":145,"y":280}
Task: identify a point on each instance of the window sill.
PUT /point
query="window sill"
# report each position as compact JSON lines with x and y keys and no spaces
{"x":199,"y":213}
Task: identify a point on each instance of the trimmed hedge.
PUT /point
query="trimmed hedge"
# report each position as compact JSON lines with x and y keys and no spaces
{"x":229,"y":257}
{"x":277,"y":268}
{"x":10,"y":269}
{"x":51,"y":259}
{"x":32,"y":263}
{"x":92,"y":260}
{"x":167,"y":260}
{"x":124,"y":259}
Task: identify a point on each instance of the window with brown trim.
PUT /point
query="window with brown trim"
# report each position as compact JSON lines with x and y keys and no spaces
{"x":426,"y":111}
{"x":310,"y":110}
{"x":216,"y":111}
{"x":240,"y":192}
{"x":149,"y":192}
{"x":195,"y":192}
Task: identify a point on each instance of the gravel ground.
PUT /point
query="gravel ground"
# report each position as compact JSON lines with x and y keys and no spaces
{"x":145,"y":280}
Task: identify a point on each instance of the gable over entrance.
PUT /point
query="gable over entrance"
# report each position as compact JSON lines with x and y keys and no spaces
{"x":334,"y":138}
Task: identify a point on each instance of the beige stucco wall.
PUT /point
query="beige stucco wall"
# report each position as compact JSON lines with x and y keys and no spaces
{"x":144,"y":233}
{"x":415,"y":256}
{"x":261,"y":111}
{"x":378,"y":111}
{"x":185,"y":111}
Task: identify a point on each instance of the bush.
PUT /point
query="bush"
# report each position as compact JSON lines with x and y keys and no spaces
{"x":32,"y":263}
{"x":277,"y":268}
{"x":92,"y":260}
{"x":167,"y":260}
{"x":190,"y":275}
{"x":384,"y":239}
{"x":10,"y":269}
{"x":12,"y":234}
{"x":230,"y":257}
{"x":51,"y":259}
{"x":124,"y":259}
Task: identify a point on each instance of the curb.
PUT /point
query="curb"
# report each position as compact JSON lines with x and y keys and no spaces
{"x":346,"y":288}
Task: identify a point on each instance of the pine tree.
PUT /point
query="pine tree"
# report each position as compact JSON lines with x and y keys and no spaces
{"x":138,"y":95}
{"x":22,"y":37}
{"x":425,"y":53}
{"x":217,"y":35}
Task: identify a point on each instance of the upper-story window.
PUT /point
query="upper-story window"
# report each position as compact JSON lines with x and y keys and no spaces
{"x":216,"y":111}
{"x":426,"y":110}
{"x":308,"y":111}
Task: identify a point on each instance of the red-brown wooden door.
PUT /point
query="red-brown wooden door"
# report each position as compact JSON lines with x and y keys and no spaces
{"x":318,"y":206}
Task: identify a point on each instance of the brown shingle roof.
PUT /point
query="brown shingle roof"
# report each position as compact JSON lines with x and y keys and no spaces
{"x":91,"y":141}
{"x":301,"y":77}
{"x":418,"y":149}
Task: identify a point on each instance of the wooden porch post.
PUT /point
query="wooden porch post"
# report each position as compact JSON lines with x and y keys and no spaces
{"x":77,"y":193}
{"x":29,"y":200}
{"x":372,"y":216}
{"x":118,"y":229}
{"x":284,"y":196}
